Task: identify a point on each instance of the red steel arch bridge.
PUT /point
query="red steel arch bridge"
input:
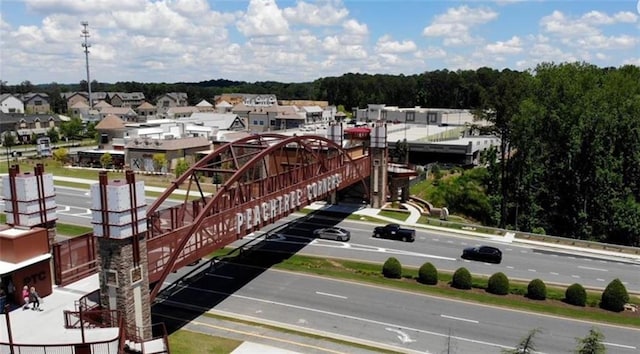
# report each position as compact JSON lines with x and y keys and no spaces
{"x":260,"y":179}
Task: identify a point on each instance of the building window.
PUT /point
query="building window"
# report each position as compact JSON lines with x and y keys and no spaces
{"x":411,"y":116}
{"x":165,"y":103}
{"x":432,"y":117}
{"x":384,"y":115}
{"x":255,"y":122}
{"x":37,"y":102}
{"x":261,"y":122}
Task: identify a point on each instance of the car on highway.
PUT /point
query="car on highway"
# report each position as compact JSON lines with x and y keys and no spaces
{"x":483,"y":253}
{"x":395,"y":232}
{"x":333,"y":233}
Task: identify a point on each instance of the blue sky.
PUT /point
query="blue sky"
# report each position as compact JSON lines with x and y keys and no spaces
{"x":296,"y":41}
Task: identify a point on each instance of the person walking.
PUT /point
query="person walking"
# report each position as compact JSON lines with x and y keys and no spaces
{"x":34,"y":297}
{"x":25,"y":297}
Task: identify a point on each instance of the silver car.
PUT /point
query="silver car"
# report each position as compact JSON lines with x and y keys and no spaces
{"x":333,"y":233}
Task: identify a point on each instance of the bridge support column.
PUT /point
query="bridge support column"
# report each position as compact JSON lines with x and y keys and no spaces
{"x":119,"y":222}
{"x":379,"y":155}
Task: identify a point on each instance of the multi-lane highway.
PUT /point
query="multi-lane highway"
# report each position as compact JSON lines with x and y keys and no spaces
{"x":406,"y":321}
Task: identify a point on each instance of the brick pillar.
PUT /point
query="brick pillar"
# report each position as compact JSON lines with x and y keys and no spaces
{"x":120,"y":225}
{"x":123,"y":285}
{"x":378,"y":152}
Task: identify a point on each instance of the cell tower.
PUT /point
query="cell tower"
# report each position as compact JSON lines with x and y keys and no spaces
{"x":86,"y":45}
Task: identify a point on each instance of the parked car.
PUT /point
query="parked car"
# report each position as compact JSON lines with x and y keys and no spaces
{"x":333,"y":233}
{"x":395,"y":232}
{"x":483,"y":253}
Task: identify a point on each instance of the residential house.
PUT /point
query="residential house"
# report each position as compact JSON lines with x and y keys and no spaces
{"x":313,"y":114}
{"x":180,"y":112}
{"x":241,"y":110}
{"x":73,"y":98}
{"x":79,"y":109}
{"x":247,"y":99}
{"x":171,"y":99}
{"x":26,"y":126}
{"x":300,"y":103}
{"x":125,"y":99}
{"x":283,"y":117}
{"x":147,"y":110}
{"x":127,"y":114}
{"x":101,"y":104}
{"x":36,"y":103}
{"x":11,"y":104}
{"x":207,"y":124}
{"x":223,"y":107}
{"x":139,"y":152}
{"x":204,"y":106}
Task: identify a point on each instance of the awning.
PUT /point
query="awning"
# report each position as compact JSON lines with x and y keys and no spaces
{"x":7,"y":267}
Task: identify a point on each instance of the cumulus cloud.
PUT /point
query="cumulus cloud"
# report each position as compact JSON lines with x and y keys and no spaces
{"x":512,"y":46}
{"x":387,"y":45}
{"x":263,"y":18}
{"x":455,"y":24}
{"x":323,"y":13}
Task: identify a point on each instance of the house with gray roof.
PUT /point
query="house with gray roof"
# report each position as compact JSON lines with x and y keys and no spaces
{"x":24,"y":126}
{"x":36,"y":103}
{"x":171,"y":99}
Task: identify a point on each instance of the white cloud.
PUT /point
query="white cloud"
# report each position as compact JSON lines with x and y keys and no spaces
{"x":387,"y":45}
{"x":263,"y":18}
{"x":455,"y":24}
{"x":323,"y":13}
{"x":512,"y":46}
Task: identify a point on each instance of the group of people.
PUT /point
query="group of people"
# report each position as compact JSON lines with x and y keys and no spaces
{"x":31,"y":296}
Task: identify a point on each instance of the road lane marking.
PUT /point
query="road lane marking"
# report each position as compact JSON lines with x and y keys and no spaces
{"x":575,"y":276}
{"x":554,"y":273}
{"x":600,"y":279}
{"x":510,"y":267}
{"x":532,"y":270}
{"x":591,"y":268}
{"x":619,"y":345}
{"x":334,"y":314}
{"x":403,"y":337}
{"x":331,"y":295}
{"x":459,"y":319}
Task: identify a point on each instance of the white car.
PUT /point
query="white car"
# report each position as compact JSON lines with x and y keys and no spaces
{"x":333,"y":233}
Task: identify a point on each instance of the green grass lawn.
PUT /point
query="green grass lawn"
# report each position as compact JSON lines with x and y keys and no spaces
{"x":188,"y":342}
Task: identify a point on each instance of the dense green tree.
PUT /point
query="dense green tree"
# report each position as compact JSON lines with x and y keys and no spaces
{"x":106,"y":160}
{"x":72,"y":129}
{"x":461,"y":279}
{"x":53,"y":135}
{"x":428,"y":274}
{"x":614,"y":296}
{"x":392,"y":268}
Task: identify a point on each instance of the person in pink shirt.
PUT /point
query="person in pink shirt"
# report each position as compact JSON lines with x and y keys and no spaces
{"x":25,"y":297}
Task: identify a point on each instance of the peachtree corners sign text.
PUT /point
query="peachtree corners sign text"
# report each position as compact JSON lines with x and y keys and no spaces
{"x":252,"y":217}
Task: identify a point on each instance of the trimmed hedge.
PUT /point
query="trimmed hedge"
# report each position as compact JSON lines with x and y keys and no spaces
{"x":461,"y":279}
{"x":498,"y":284}
{"x":537,"y":290}
{"x":576,"y":295}
{"x":614,"y":296}
{"x":428,"y":274}
{"x":392,"y":268}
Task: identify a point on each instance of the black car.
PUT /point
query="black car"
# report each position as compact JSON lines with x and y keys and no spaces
{"x":483,"y":253}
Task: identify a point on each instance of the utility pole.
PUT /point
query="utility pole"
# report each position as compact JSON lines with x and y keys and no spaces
{"x":86,"y":45}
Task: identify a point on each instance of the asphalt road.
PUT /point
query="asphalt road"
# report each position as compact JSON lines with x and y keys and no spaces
{"x":519,"y":261}
{"x":405,"y":321}
{"x":443,"y":250}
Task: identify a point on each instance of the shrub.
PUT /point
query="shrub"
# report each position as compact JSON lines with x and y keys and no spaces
{"x":537,"y":290}
{"x":461,"y":279}
{"x":614,"y":296}
{"x":498,"y":284}
{"x":428,"y":274}
{"x":575,"y":295}
{"x":392,"y":268}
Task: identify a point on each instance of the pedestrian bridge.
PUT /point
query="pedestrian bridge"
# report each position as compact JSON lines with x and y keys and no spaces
{"x":253,"y":182}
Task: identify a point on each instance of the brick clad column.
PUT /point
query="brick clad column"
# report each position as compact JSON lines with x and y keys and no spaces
{"x":379,"y":154}
{"x":120,"y":225}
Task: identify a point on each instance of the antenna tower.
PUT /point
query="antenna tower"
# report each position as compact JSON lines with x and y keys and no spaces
{"x":86,"y":45}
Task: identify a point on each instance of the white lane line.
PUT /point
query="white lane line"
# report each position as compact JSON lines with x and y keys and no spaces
{"x":449,"y":241}
{"x":459,"y":319}
{"x":331,"y":295}
{"x":532,"y":270}
{"x":619,"y":345}
{"x":602,"y":261}
{"x":463,"y":243}
{"x":436,"y":239}
{"x":575,"y":276}
{"x":591,"y":268}
{"x":554,"y":273}
{"x":600,"y":279}
{"x":510,"y":267}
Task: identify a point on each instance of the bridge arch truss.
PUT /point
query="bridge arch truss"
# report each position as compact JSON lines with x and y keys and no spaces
{"x":258,"y":180}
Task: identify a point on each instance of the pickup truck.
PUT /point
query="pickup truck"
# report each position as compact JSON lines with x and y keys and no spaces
{"x":395,"y":232}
